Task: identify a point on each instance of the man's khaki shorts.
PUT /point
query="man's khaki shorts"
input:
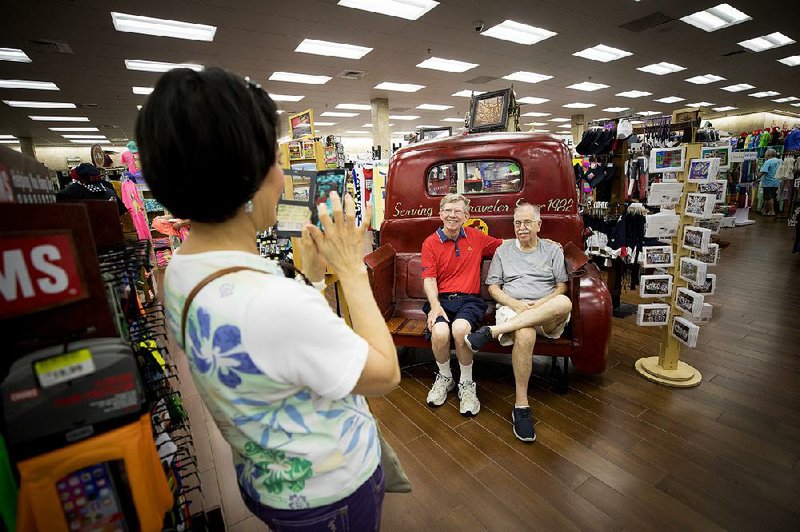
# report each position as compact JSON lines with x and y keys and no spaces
{"x":503,"y":314}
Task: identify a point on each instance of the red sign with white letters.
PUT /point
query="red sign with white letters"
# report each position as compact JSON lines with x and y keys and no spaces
{"x":38,"y":271}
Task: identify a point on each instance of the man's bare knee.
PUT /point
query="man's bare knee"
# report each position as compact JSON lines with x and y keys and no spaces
{"x":460,"y":329}
{"x":525,"y":336}
{"x":440,"y":332}
{"x":563,"y":305}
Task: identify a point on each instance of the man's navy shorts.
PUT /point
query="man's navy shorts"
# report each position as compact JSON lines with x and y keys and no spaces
{"x":470,"y":307}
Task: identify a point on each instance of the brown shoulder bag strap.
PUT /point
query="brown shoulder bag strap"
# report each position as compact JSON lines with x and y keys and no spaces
{"x":200,"y":286}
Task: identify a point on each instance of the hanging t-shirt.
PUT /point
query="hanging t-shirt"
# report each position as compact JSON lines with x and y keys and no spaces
{"x":276,"y":368}
{"x":133,"y":201}
{"x":131,"y":161}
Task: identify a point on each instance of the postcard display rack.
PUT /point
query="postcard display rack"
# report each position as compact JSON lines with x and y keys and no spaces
{"x":681,"y":281}
{"x":92,"y":415}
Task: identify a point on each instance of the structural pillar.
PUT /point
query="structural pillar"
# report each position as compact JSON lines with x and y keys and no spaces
{"x":578,"y":127}
{"x":27,"y":147}
{"x":380,"y":126}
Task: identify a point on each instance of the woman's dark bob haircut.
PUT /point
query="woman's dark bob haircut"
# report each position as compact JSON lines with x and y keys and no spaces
{"x":206,"y":140}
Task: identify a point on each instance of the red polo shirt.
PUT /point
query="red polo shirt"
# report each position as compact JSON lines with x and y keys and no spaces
{"x":456,"y":264}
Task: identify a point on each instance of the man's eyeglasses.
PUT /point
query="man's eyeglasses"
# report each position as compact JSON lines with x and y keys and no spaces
{"x":456,"y":212}
{"x":524,"y":223}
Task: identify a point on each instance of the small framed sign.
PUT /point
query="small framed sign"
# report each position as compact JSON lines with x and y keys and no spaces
{"x":658,"y":256}
{"x":710,"y":257}
{"x":685,"y":331}
{"x":652,"y":315}
{"x":655,"y":286}
{"x":689,"y":301}
{"x":700,"y":205}
{"x":696,"y":238}
{"x":692,"y":271}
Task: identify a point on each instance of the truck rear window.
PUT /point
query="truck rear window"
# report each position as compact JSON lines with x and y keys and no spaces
{"x":474,"y":177}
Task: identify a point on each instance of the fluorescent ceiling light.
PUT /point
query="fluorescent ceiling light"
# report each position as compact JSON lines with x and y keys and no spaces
{"x":634,"y":122}
{"x":533,"y":100}
{"x":615,"y":109}
{"x":285,"y":97}
{"x":537,"y":124}
{"x":9,"y":141}
{"x":659,"y":69}
{"x":139,"y":108}
{"x":91,"y":141}
{"x":423,"y":126}
{"x":84,"y":136}
{"x":6,"y":137}
{"x":796,"y":105}
{"x":559,"y":120}
{"x":407,"y":9}
{"x":508,"y":30}
{"x":366,"y":125}
{"x":337,"y":113}
{"x":726,"y":108}
{"x":716,"y":18}
{"x":14,"y":54}
{"x":25,"y":84}
{"x":399,"y":87}
{"x":39,"y":105}
{"x":700,"y":104}
{"x":578,"y":105}
{"x":73,"y":129}
{"x":670,"y":99}
{"x":540,"y":131}
{"x":402,"y":117}
{"x":793,"y":60}
{"x":536,"y":114}
{"x":435,"y":107}
{"x":527,"y":77}
{"x":784,"y":100}
{"x":634,"y":94}
{"x":158,"y":66}
{"x":467,"y":93}
{"x":352,"y":132}
{"x":602,"y":53}
{"x":587,"y":86}
{"x":705,"y":79}
{"x":767,"y":42}
{"x":565,"y":125}
{"x":446,"y":65}
{"x":60,"y":118}
{"x":162,"y":27}
{"x":354,"y":106}
{"x":764,"y":94}
{"x":738,"y":87}
{"x":142,"y":90}
{"x":293,"y":77}
{"x":453,"y":120}
{"x":323,"y":124}
{"x":648,"y":113}
{"x":332,"y":49}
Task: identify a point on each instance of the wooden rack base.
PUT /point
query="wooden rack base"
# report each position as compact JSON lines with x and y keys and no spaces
{"x":684,"y":376}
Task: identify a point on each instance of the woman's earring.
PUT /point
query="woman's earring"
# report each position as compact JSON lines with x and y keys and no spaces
{"x":248,"y":207}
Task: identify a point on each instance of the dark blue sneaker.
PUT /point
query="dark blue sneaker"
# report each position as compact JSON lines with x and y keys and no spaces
{"x":523,"y":424}
{"x":476,"y":340}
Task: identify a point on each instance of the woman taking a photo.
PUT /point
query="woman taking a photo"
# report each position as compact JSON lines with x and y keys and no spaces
{"x":282,"y":375}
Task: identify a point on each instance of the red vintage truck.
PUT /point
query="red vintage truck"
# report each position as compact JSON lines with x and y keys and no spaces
{"x":497,"y":171}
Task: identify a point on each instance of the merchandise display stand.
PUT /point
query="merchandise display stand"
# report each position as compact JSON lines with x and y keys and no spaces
{"x":667,"y":368}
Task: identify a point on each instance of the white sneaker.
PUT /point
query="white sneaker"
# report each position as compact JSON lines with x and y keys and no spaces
{"x":470,"y":405}
{"x":438,"y":394}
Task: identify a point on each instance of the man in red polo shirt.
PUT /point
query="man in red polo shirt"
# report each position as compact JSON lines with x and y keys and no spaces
{"x":451,"y":271}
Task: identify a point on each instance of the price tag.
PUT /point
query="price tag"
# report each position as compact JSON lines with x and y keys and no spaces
{"x":63,"y":368}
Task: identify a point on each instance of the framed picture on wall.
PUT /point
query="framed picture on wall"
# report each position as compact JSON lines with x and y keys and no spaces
{"x":489,"y":111}
{"x":302,"y":124}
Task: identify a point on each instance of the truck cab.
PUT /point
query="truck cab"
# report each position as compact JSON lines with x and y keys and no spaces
{"x":497,"y":172}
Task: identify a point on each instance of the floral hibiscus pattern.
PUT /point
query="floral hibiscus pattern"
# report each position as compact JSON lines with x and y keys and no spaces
{"x":272,"y":470}
{"x":220,"y":353}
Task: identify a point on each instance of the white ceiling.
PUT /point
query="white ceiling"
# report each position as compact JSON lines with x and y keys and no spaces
{"x":258,"y":37}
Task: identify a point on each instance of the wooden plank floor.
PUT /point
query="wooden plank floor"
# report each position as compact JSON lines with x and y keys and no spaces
{"x":618,"y":452}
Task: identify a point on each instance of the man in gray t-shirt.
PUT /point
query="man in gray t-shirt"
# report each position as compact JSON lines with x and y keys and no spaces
{"x":528,"y":280}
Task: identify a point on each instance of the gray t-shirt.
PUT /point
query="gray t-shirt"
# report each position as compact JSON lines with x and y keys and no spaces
{"x":528,"y":276}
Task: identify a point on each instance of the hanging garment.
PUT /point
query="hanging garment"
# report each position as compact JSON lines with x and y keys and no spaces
{"x":133,"y":201}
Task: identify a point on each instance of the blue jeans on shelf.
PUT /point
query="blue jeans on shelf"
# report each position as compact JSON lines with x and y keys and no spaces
{"x":360,"y":511}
